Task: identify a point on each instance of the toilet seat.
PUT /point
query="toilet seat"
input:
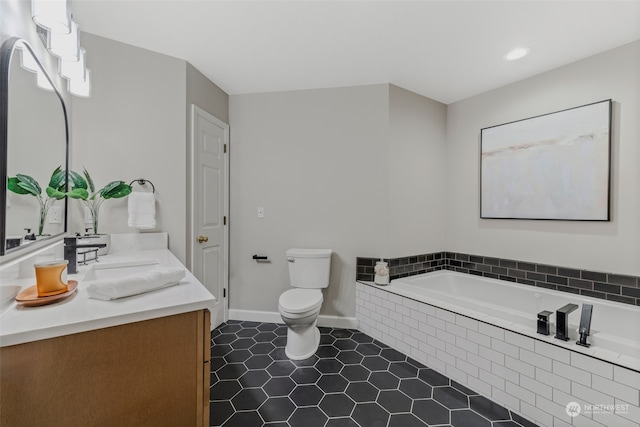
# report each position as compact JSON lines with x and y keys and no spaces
{"x":296,"y":301}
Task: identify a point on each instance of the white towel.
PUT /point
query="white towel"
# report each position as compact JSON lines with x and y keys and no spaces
{"x":142,"y":210}
{"x":109,"y":289}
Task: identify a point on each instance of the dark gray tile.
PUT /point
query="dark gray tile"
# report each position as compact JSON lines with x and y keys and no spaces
{"x":431,"y":412}
{"x":329,"y":366}
{"x":308,"y":417}
{"x":355,"y":372}
{"x":405,"y":420}
{"x":256,"y":378}
{"x":370,"y":415}
{"x":276,"y":409}
{"x":415,"y":388}
{"x":332,"y":383}
{"x":249,"y":399}
{"x":384,"y":380}
{"x":450,"y":397}
{"x":593,"y":275}
{"x":362,"y":392}
{"x":224,"y":390}
{"x":468,"y":418}
{"x":619,"y":279}
{"x":281,"y":368}
{"x":350,"y":357}
{"x":305,"y":375}
{"x":490,"y":410}
{"x":219,"y":412}
{"x":393,"y":355}
{"x":243,"y":419}
{"x":337,"y":405}
{"x":341,"y":422}
{"x":394,"y":401}
{"x":432,"y":377}
{"x":306,"y":395}
{"x":281,"y":386}
{"x":375,"y":363}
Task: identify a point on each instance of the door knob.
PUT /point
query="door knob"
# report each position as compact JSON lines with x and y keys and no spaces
{"x":203,"y":239}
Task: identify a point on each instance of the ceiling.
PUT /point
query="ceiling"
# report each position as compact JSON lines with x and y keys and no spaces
{"x":446,"y":50}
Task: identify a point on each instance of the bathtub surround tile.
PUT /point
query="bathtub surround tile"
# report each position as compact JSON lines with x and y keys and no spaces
{"x":382,"y":388}
{"x":608,"y":286}
{"x":530,"y":376}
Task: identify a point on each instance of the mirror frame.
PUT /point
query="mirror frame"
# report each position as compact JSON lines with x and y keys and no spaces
{"x":6,"y":54}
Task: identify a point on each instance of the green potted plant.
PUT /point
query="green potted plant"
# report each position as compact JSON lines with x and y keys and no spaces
{"x":26,"y":185}
{"x":83,"y":188}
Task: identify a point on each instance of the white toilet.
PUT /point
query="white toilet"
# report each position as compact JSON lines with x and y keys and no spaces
{"x":299,"y":307}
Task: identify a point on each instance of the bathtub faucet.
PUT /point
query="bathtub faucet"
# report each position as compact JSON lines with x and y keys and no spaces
{"x":562,"y":321}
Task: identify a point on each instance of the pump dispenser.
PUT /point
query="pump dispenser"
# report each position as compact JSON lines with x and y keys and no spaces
{"x":382,"y":273}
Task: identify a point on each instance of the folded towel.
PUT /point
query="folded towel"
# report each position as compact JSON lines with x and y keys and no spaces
{"x":108,"y":289}
{"x":142,"y":210}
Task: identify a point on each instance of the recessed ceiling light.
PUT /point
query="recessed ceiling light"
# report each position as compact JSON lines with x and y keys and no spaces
{"x":517,"y":53}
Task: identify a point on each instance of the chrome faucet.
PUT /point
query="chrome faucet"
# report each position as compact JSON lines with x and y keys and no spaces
{"x":562,"y":321}
{"x":71,"y":247}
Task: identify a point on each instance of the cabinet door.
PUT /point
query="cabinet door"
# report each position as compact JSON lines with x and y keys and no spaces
{"x":147,"y":373}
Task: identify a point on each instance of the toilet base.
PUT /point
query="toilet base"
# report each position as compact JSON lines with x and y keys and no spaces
{"x":302,"y":343}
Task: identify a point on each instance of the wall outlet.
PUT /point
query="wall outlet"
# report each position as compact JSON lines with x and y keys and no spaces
{"x":87,"y":215}
{"x":260,"y":212}
{"x":55,"y":215}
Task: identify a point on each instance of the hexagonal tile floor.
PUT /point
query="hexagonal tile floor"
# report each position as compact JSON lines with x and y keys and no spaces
{"x":351,"y":381}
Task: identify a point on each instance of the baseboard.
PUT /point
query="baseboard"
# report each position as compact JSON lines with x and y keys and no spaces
{"x":274,"y":317}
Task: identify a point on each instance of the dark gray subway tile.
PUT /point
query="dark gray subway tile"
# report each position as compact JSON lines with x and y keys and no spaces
{"x":547,"y":269}
{"x":462,"y":257}
{"x":508,"y":263}
{"x":499,"y":270}
{"x":582,"y":284}
{"x":606,"y":287}
{"x":526,"y":282}
{"x":594,"y":275}
{"x":536,"y":276}
{"x":557,"y":279}
{"x":547,"y":285}
{"x":517,"y":273}
{"x":469,"y":265}
{"x":568,"y":289}
{"x":619,"y":279}
{"x":526,"y":266}
{"x":491,"y":275}
{"x":491,"y":261}
{"x":483,"y":267}
{"x":631,"y":292}
{"x":507,"y":278}
{"x":476,"y":259}
{"x":568,"y":272}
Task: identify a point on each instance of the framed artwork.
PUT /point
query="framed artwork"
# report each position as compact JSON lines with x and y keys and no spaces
{"x":555,"y":166}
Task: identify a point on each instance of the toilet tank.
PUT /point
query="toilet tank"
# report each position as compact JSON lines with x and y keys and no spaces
{"x":309,"y":268}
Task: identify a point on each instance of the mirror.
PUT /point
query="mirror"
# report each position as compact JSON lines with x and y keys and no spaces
{"x":34,"y":141}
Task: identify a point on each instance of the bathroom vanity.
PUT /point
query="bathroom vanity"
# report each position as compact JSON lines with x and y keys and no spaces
{"x":136,"y":361}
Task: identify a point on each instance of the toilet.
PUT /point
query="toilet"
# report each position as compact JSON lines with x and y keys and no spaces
{"x":299,"y":307}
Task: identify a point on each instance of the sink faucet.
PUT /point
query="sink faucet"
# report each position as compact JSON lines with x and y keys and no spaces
{"x":562,"y":321}
{"x":71,"y":247}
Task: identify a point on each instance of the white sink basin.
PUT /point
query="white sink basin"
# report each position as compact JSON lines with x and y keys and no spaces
{"x":112,"y":270}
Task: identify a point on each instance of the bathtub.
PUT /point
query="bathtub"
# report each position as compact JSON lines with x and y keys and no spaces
{"x":482,"y":333}
{"x":615,"y":327}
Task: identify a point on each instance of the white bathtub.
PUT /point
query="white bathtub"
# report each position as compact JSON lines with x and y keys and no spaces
{"x":615,"y":327}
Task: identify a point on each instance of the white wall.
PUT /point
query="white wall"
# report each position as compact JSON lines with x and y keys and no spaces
{"x":133,"y":126}
{"x":316,"y":160}
{"x":347,"y":168}
{"x":606,"y":246}
{"x":417,"y":144}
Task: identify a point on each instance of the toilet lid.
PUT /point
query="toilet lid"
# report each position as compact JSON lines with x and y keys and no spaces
{"x":300,"y":300}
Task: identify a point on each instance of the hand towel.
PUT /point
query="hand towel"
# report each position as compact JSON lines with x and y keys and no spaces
{"x":110,"y":289}
{"x":142,"y":210}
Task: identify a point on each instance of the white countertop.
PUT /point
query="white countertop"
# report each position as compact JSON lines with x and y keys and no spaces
{"x":79,"y":313}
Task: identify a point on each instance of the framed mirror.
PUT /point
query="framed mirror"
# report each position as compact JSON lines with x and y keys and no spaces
{"x":34,"y":141}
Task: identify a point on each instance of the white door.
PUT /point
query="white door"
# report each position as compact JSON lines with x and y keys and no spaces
{"x":210,"y":208}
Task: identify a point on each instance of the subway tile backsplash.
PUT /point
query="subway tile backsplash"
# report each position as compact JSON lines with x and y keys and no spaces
{"x":608,"y":286}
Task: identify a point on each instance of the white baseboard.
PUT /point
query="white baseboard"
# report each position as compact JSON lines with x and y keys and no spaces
{"x":274,"y":317}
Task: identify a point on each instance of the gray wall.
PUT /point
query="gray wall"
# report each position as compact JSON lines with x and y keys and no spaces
{"x":607,"y":246}
{"x":329,"y":167}
{"x":417,"y":144}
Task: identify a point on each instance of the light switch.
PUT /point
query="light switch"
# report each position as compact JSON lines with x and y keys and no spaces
{"x":55,"y":215}
{"x":260,"y":212}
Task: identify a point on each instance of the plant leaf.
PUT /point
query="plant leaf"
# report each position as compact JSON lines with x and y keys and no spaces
{"x":120,"y":189}
{"x":55,"y":194}
{"x":89,"y":181}
{"x":29,"y":184}
{"x":13,"y":185}
{"x":57,"y":178}
{"x":78,"y":193}
{"x":77,"y":180}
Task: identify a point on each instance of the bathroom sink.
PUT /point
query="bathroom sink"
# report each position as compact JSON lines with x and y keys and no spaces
{"x":114,"y":270}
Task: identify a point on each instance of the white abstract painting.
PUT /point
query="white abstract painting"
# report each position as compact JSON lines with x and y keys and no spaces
{"x":554,"y":166}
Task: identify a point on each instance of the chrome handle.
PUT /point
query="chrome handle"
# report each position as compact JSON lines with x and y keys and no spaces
{"x":203,"y":239}
{"x":291,"y":259}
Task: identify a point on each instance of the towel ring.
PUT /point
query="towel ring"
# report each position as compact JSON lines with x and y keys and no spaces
{"x":142,"y":181}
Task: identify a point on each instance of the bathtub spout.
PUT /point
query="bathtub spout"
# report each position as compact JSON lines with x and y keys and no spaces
{"x":562,"y":321}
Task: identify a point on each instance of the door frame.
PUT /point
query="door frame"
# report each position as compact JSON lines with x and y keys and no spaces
{"x":197,"y":111}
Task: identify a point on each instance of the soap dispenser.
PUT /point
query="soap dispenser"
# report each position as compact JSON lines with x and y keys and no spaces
{"x":30,"y":235}
{"x":382,"y":273}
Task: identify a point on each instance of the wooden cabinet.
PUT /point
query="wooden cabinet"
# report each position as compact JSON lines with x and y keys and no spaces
{"x":150,"y":373}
